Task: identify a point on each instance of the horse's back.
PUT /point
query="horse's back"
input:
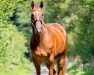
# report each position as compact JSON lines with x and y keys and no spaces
{"x":60,"y":36}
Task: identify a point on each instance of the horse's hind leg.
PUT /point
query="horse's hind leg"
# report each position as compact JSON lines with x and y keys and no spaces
{"x":61,"y":64}
{"x":37,"y":66}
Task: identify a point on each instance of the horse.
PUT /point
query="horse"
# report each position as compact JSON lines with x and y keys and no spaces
{"x":48,"y":42}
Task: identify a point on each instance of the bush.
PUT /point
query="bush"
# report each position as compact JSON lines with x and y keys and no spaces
{"x":12,"y":47}
{"x":12,"y":42}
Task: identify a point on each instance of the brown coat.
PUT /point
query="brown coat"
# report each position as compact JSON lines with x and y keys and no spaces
{"x":50,"y":44}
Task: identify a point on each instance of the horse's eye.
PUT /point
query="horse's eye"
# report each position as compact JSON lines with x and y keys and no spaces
{"x":42,"y":14}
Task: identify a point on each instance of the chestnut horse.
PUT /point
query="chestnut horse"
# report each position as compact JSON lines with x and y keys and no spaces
{"x":48,"y":42}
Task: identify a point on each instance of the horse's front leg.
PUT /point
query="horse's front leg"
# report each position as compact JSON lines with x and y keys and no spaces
{"x":48,"y":66}
{"x":37,"y":65}
{"x":51,"y":69}
{"x":51,"y":64}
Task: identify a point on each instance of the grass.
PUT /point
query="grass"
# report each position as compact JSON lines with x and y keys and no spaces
{"x":23,"y":69}
{"x":26,"y":68}
{"x":79,"y":68}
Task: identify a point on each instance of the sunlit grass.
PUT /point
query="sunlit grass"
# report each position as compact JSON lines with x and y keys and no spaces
{"x":25,"y":69}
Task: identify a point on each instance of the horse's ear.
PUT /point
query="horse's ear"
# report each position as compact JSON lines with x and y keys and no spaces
{"x":32,"y":4}
{"x":41,"y":4}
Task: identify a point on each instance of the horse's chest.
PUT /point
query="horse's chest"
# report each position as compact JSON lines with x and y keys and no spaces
{"x":41,"y":57}
{"x":47,"y":41}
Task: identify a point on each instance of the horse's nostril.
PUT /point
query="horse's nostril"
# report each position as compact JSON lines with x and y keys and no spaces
{"x":41,"y":30}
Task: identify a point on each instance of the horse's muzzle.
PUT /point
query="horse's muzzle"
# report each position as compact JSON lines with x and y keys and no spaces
{"x":39,"y":27}
{"x":38,"y":31}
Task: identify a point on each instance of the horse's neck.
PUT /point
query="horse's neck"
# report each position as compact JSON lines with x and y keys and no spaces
{"x":36,"y":36}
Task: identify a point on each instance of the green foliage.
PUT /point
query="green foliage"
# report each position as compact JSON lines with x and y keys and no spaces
{"x":76,"y":15}
{"x":12,"y":42}
{"x":52,"y":11}
{"x":11,"y":47}
{"x":6,"y":8}
{"x":23,"y":15}
{"x":22,"y":19}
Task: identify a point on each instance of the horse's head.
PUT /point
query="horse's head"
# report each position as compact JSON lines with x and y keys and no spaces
{"x":37,"y":17}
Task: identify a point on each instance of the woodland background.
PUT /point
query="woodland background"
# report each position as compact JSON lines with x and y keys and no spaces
{"x":15,"y":31}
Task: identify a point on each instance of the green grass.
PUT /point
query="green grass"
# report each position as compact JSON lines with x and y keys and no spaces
{"x":81,"y":69}
{"x":24,"y":69}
